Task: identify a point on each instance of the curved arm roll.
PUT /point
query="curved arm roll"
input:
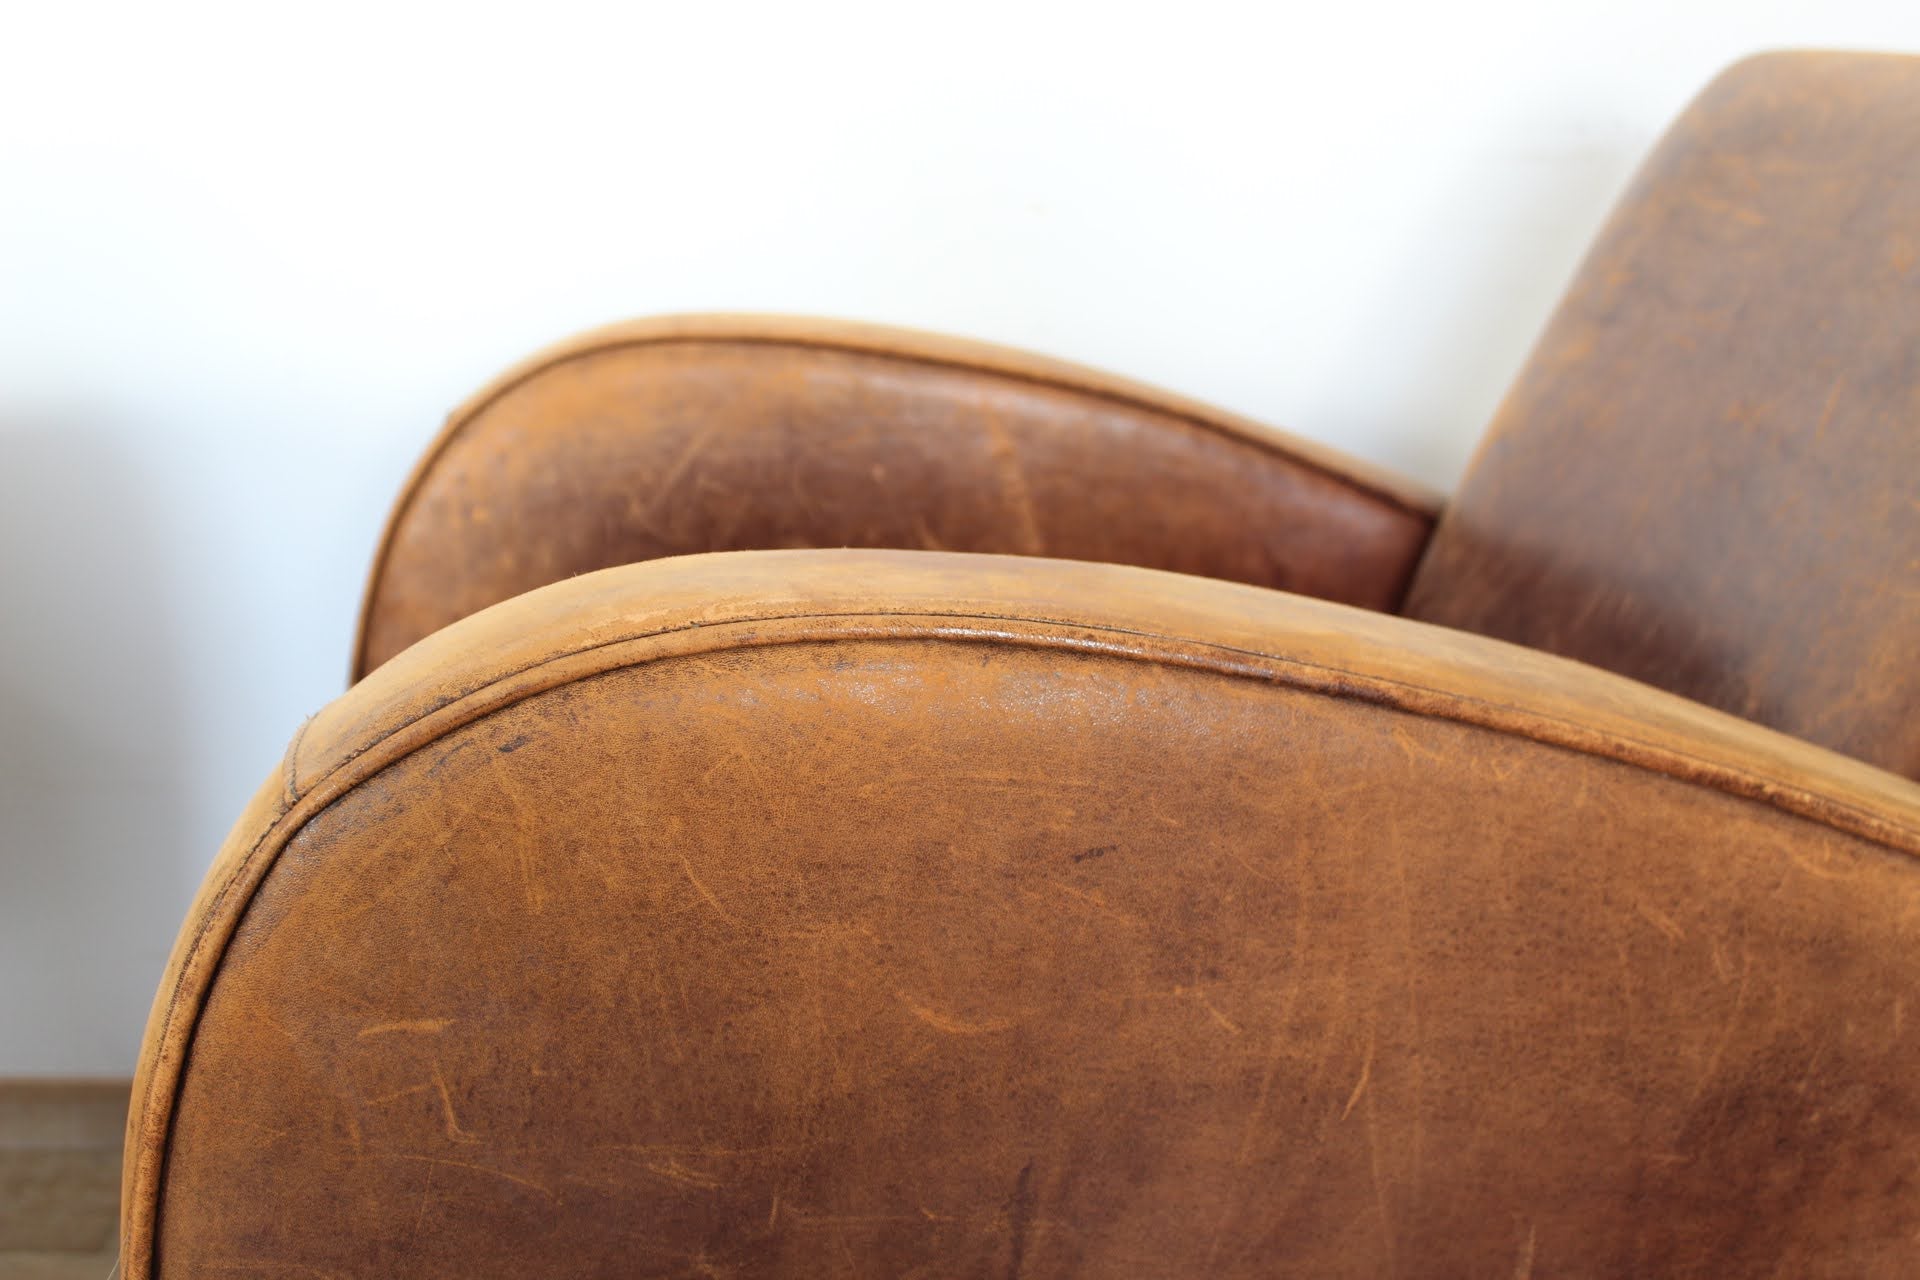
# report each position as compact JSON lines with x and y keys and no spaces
{"x":991,"y":915}
{"x":691,"y":434}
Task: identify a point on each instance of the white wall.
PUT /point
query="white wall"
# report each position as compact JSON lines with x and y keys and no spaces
{"x":249,"y":255}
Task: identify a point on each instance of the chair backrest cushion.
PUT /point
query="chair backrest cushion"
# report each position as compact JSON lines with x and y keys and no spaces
{"x":1708,"y":476}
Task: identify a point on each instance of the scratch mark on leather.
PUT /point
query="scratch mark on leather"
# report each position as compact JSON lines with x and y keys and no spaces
{"x":1826,"y":411}
{"x":1720,"y":966}
{"x":418,"y":1026}
{"x":744,"y":762}
{"x":1234,"y":855}
{"x":834,"y":1075}
{"x":808,"y":1218}
{"x":670,"y":477}
{"x":1021,"y":780}
{"x":1013,"y":485}
{"x":707,"y":893}
{"x":1801,"y":859}
{"x":671,"y":1149}
{"x":444,"y":1163}
{"x":271,"y":1266}
{"x":1276,"y":1049}
{"x":508,"y":748}
{"x":1099,"y":902}
{"x":668,"y":1021}
{"x":1379,"y":1187}
{"x":1360,"y":1085}
{"x":1727,"y":1029}
{"x":455,"y":1130}
{"x":1416,"y":1057}
{"x":1413,"y":750}
{"x":426,"y":1193}
{"x":951,"y":1025}
{"x":674,"y":1171}
{"x":1523,"y":1265}
{"x":381,"y":1099}
{"x":519,"y":821}
{"x":1213,"y":1012}
{"x":1727,"y":209}
{"x":927,"y":538}
{"x":1098,"y":851}
{"x":1659,"y":920}
{"x":1019,"y":1220}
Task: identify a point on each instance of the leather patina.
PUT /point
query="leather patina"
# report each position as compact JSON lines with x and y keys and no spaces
{"x":979,"y":908}
{"x":779,"y":912}
{"x":689,"y":434}
{"x":1704,"y":478}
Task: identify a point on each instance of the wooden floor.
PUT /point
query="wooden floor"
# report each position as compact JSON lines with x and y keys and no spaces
{"x":56,"y":1266}
{"x":59,"y":1178}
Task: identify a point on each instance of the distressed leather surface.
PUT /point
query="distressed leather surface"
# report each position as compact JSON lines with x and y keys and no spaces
{"x":691,"y":434}
{"x":876,"y":913}
{"x":1705,"y":477}
{"x":896,"y":913}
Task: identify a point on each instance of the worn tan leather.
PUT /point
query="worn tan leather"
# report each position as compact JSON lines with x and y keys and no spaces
{"x":897,"y":913}
{"x":1705,"y":478}
{"x":873,"y":912}
{"x":716,"y":433}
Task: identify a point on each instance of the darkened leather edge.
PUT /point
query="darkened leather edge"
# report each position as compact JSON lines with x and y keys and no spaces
{"x":287,"y":802}
{"x":907,"y":345}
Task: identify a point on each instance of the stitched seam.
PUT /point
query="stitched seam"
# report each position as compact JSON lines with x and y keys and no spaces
{"x":291,"y":766}
{"x":187,"y":962}
{"x":1771,"y":785}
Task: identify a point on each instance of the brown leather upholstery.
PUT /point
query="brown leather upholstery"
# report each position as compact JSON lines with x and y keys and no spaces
{"x":911,"y":913}
{"x":721,"y":433}
{"x":891,"y":913}
{"x":1705,"y":478}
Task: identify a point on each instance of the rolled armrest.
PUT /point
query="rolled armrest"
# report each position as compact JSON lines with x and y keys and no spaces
{"x":982,"y":914}
{"x":720,"y":433}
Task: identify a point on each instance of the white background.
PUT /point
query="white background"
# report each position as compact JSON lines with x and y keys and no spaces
{"x":250,"y":255}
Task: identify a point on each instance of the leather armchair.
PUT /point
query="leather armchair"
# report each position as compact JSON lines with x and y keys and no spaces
{"x":823,"y":800}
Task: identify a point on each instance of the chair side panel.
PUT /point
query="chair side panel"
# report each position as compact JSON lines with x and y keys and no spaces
{"x":975,"y":957}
